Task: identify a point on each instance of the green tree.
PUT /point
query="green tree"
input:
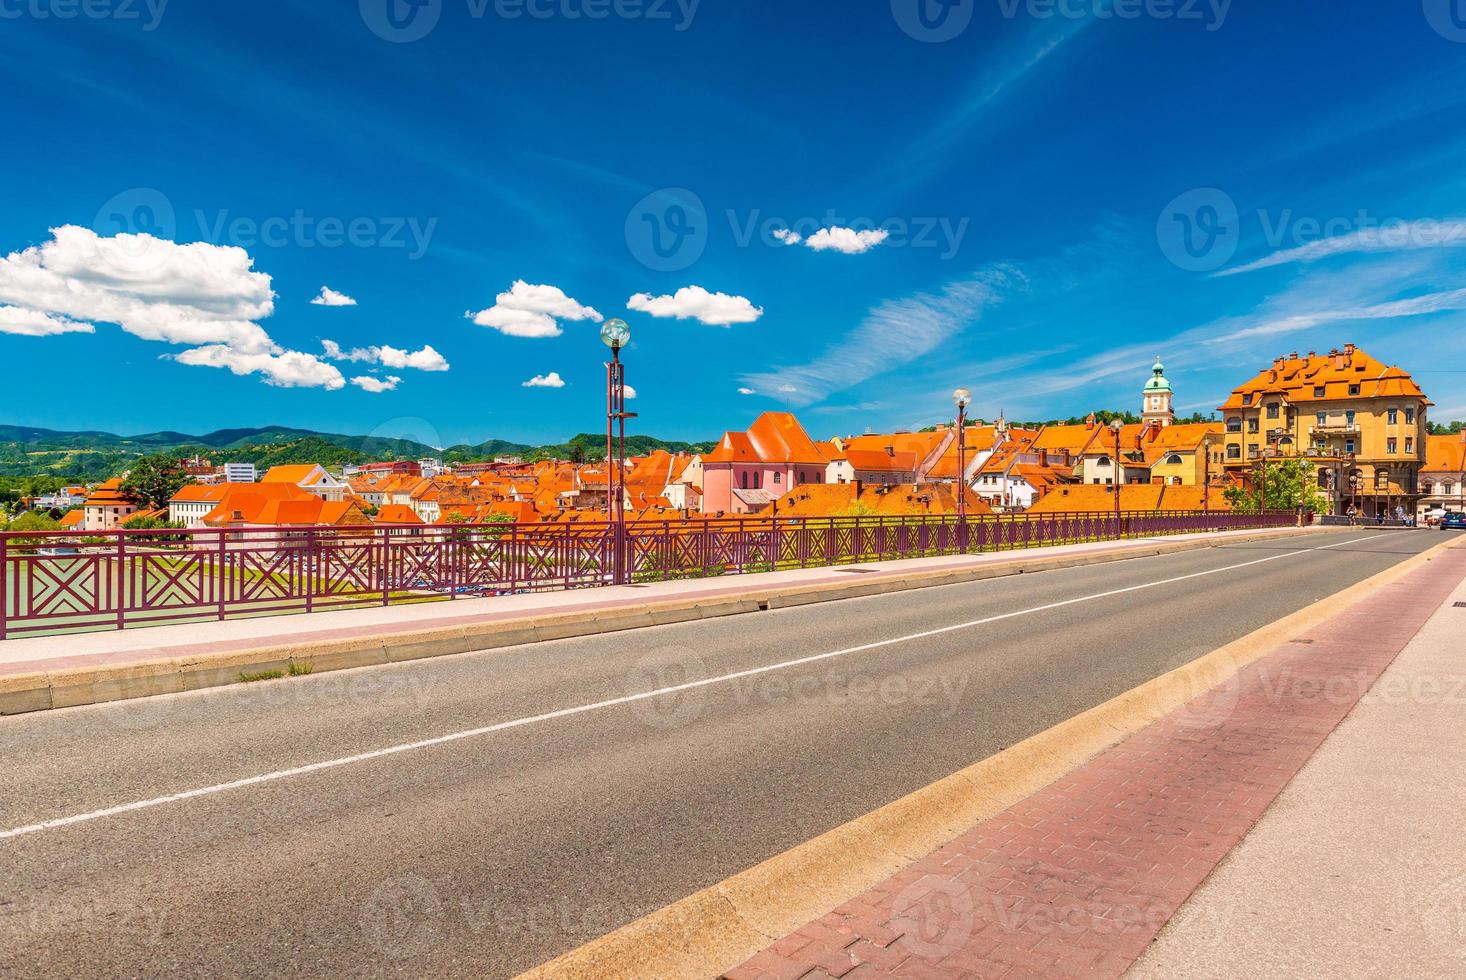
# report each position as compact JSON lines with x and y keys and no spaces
{"x":141,"y":522}
{"x":577,"y":453}
{"x":1289,"y":483}
{"x":154,"y":480}
{"x":31,"y":521}
{"x":1441,"y":429}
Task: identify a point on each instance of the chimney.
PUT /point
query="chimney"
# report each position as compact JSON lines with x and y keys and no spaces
{"x":1043,"y":457}
{"x":1341,"y":361}
{"x":1350,"y":349}
{"x":1278,"y":363}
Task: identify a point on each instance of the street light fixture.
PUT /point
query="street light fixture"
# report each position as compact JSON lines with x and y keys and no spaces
{"x":615,"y":334}
{"x":962,"y":397}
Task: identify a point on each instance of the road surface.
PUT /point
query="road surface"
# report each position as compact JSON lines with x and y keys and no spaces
{"x":558,"y":795}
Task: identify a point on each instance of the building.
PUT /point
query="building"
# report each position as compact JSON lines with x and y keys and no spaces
{"x":1443,"y":477}
{"x":749,"y":470}
{"x":1360,"y":422}
{"x":310,"y":477}
{"x":192,"y":504}
{"x":1146,"y":498}
{"x":1156,"y":407}
{"x":884,"y":466}
{"x":107,"y":507}
{"x":239,"y":473}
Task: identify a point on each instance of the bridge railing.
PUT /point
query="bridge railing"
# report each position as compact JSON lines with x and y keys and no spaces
{"x":69,"y":581}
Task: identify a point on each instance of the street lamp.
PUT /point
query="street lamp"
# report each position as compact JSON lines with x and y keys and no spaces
{"x":615,"y":334}
{"x":1117,"y":427}
{"x":962,"y":397}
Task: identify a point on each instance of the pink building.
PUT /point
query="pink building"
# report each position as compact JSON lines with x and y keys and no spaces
{"x":749,"y":470}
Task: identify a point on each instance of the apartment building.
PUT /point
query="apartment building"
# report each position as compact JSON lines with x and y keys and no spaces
{"x":1361,"y":422}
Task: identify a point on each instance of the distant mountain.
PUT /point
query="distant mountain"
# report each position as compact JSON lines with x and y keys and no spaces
{"x":95,"y":455}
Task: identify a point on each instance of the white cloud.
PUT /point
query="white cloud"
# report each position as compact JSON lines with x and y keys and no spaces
{"x":33,"y":323}
{"x":377,"y":385}
{"x":1400,"y":236}
{"x":152,"y":288}
{"x":894,"y":333}
{"x":426,"y":359}
{"x":551,"y":380}
{"x":694,"y":302}
{"x":846,"y":240}
{"x":532,"y":311}
{"x":204,"y":296}
{"x":788,"y":236}
{"x":288,"y":369}
{"x":329,"y":297}
{"x":1266,"y":326}
{"x":630,"y":392}
{"x":747,"y":391}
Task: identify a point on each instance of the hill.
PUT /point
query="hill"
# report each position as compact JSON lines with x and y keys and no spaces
{"x":96,"y":455}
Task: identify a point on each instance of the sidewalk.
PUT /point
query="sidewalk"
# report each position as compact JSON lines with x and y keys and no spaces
{"x":1359,"y":868}
{"x":1078,"y":879}
{"x":120,"y":647}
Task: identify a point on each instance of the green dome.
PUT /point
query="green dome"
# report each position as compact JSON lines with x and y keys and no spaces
{"x":1158,"y":380}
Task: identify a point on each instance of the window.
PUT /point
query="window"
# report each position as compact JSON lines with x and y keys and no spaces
{"x":1393,"y":416}
{"x":1349,"y":447}
{"x":1234,"y":451}
{"x":778,"y":478}
{"x":1426,"y":488}
{"x":1409,"y":446}
{"x":1174,"y":459}
{"x":1272,"y":410}
{"x":1319,"y":391}
{"x":1234,"y":425}
{"x":1392,"y":446}
{"x":1252,"y":451}
{"x":1252,"y":425}
{"x":1102,"y":461}
{"x":1354,"y":389}
{"x":1447,"y":489}
{"x":1382,"y":479}
{"x":744,"y":481}
{"x":1321,"y":419}
{"x":1349,"y":418}
{"x":1409,"y":416}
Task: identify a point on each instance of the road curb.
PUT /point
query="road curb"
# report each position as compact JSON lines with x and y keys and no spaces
{"x":722,"y":926}
{"x":98,"y":684}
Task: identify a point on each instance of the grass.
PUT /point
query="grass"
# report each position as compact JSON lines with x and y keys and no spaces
{"x":264,"y":675}
{"x":299,"y":668}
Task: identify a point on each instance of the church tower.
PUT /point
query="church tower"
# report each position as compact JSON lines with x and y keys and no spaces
{"x":1157,"y":404}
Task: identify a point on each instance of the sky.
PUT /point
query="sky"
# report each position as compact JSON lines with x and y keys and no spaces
{"x":410,"y":217}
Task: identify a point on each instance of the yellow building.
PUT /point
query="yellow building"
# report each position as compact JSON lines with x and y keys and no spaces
{"x":1362,"y":423}
{"x":1157,"y":449}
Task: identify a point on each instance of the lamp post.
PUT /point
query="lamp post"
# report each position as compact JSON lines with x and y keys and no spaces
{"x":1116,"y":427}
{"x":615,"y":334}
{"x":962,"y":397}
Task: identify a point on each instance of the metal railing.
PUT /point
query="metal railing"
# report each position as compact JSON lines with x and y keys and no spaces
{"x":60,"y":582}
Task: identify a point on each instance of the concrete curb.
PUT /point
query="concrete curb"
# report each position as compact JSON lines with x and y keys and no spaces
{"x":97,"y":684}
{"x":722,"y":926}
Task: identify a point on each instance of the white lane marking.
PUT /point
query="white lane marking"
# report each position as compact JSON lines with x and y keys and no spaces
{"x":271,"y":777}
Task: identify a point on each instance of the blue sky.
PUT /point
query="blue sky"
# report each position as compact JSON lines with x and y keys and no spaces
{"x":1066,"y":190}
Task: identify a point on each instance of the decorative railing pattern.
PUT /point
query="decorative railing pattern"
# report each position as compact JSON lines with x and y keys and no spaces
{"x":59,"y":582}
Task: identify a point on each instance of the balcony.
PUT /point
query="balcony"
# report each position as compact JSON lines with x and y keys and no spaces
{"x":1334,"y":429}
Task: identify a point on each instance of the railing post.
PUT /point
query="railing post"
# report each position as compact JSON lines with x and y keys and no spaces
{"x":4,"y":583}
{"x":221,"y":576}
{"x":383,"y":561}
{"x":310,"y":568}
{"x":121,"y":597}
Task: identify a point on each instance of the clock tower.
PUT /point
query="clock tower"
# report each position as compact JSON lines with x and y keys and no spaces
{"x":1157,"y":399}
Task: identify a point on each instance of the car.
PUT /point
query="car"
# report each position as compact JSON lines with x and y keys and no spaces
{"x":1454,"y":521}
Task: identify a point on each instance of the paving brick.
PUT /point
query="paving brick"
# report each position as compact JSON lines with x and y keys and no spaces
{"x":1077,"y":880}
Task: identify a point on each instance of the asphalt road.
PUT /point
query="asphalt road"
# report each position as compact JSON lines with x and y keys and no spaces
{"x":488,"y":853}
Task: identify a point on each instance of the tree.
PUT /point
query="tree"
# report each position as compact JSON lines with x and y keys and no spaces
{"x":31,"y":521}
{"x":1440,"y":429}
{"x":1289,"y":483}
{"x":141,"y":522}
{"x":577,"y":453}
{"x":154,"y":480}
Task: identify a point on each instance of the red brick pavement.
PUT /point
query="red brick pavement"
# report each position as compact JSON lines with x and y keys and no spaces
{"x":1077,"y":880}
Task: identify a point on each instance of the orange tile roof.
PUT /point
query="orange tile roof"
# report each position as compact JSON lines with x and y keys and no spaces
{"x":1445,"y":454}
{"x":877,"y":460}
{"x":294,"y":473}
{"x":1093,"y":498}
{"x":397,"y":514}
{"x":774,"y":437}
{"x":1325,"y":377}
{"x":109,"y":494}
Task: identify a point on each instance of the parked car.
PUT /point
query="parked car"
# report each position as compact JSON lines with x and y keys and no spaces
{"x":1454,"y":521}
